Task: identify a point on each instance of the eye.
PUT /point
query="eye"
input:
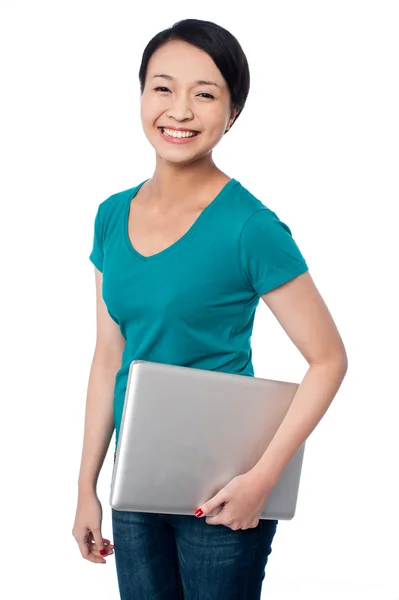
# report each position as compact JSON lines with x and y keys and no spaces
{"x":206,"y":94}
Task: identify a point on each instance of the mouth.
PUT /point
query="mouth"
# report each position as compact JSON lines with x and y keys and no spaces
{"x":179,"y":134}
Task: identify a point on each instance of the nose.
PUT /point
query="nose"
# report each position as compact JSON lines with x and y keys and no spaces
{"x":180,"y":108}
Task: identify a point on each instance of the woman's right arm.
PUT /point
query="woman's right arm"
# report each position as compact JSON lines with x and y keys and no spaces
{"x":99,"y":418}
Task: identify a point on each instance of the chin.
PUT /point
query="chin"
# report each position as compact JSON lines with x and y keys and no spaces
{"x":176,"y":160}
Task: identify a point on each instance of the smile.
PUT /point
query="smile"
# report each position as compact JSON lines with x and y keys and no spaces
{"x":178,"y":134}
{"x":178,"y":137}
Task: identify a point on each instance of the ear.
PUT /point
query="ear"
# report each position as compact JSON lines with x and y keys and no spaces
{"x":233,"y":116}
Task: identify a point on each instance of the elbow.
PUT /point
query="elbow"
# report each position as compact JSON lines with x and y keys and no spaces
{"x":337,"y":360}
{"x":342,"y":359}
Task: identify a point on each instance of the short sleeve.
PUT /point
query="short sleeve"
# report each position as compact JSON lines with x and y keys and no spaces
{"x":269,"y":255}
{"x":97,"y":254}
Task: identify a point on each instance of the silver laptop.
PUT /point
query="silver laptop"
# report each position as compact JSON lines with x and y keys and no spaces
{"x":185,"y":433}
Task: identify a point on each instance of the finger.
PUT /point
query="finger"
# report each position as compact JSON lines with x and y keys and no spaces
{"x":83,"y":547}
{"x":214,"y":503}
{"x":216,"y":511}
{"x":218,"y":517}
{"x":107,"y":543}
{"x":93,"y":548}
{"x":98,"y":539}
{"x":96,"y":553}
{"x":214,"y":521}
{"x":107,"y":547}
{"x":85,"y":550}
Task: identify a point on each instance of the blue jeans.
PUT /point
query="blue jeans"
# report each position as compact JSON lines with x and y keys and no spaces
{"x":180,"y":557}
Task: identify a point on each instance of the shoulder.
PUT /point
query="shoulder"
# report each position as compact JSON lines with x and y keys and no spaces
{"x":116,"y":199}
{"x":268,"y":253}
{"x":113,"y":205}
{"x":255,"y":214}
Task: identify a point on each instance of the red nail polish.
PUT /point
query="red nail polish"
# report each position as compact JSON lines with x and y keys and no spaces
{"x":102,"y":552}
{"x":198,"y":513}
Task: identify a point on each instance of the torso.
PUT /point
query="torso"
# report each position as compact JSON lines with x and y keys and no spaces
{"x":152,"y":230}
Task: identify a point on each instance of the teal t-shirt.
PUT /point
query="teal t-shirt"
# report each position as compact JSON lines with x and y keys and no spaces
{"x":193,"y":304}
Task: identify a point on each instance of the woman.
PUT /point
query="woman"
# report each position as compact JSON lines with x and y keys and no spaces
{"x":181,"y":261}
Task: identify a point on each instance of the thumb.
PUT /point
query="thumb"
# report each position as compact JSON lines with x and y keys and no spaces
{"x":98,"y":538}
{"x":208,"y":507}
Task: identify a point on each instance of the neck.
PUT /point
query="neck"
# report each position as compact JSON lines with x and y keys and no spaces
{"x":172,"y":184}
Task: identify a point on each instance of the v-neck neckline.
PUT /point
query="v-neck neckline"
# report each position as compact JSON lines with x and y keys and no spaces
{"x":203,"y":214}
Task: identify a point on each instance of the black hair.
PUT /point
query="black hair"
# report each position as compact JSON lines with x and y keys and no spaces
{"x":220,"y":44}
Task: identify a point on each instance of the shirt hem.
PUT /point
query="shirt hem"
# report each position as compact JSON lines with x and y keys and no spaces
{"x":281,"y":278}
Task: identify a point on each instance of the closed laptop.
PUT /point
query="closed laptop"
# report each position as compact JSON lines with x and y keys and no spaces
{"x":185,"y":433}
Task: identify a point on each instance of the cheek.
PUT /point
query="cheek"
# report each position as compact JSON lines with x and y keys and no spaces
{"x":216,"y":122}
{"x":146,"y":111}
{"x":151,"y":112}
{"x":147,"y":122}
{"x":214,"y":116}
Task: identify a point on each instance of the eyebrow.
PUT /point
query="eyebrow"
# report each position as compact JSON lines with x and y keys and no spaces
{"x":198,"y":82}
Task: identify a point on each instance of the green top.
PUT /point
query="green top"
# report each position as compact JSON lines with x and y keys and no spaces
{"x":193,"y":304}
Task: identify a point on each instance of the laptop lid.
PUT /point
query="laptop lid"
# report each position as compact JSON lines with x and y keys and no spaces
{"x":185,"y":433}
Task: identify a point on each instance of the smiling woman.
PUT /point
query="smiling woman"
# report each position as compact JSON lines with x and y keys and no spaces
{"x":181,"y":109}
{"x":181,"y":261}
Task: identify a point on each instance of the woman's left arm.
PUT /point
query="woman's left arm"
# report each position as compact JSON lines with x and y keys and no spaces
{"x":303,"y":314}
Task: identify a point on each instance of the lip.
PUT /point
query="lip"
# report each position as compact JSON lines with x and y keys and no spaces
{"x":177,"y":128}
{"x":177,"y":140}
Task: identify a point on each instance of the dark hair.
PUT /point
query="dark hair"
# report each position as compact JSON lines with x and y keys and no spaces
{"x":220,"y":44}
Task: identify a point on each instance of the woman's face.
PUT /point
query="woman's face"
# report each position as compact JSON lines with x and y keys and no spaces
{"x":179,"y":94}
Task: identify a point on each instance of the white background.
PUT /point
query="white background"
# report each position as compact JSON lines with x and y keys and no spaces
{"x":318,"y":143}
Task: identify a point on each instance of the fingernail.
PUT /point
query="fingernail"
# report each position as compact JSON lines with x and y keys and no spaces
{"x":102,"y":552}
{"x":198,"y":513}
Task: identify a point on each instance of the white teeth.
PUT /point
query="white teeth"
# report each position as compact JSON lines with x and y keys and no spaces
{"x":178,"y":134}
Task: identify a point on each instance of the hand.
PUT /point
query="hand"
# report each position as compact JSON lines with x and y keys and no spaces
{"x":87,"y":529}
{"x":241,"y":501}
